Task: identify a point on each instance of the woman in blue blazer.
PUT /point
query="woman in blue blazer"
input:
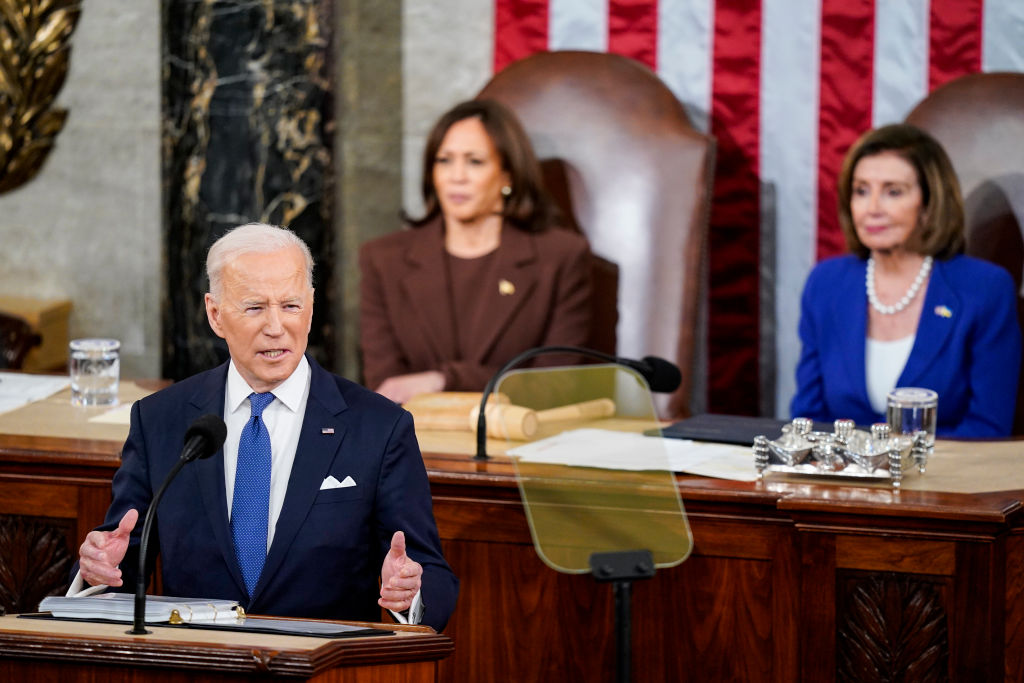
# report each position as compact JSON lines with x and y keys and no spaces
{"x":907,"y":308}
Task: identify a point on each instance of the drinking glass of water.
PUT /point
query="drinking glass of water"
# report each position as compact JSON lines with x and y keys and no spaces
{"x":909,"y":409}
{"x":95,"y":368}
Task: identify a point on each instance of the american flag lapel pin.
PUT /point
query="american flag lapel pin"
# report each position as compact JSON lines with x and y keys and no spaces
{"x":327,"y":430}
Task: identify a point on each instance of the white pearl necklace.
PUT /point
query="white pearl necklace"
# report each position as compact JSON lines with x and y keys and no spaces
{"x":915,"y":287}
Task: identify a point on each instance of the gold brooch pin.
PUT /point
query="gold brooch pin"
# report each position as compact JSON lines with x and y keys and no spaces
{"x":506,"y":288}
{"x":943,"y":312}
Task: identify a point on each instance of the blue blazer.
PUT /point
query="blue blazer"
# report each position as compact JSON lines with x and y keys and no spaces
{"x":968,"y":346}
{"x":328,"y":546}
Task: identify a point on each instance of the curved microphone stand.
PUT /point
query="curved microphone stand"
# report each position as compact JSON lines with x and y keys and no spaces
{"x":203,"y":438}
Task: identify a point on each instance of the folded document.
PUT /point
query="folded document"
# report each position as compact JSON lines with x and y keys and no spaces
{"x":121,"y":607}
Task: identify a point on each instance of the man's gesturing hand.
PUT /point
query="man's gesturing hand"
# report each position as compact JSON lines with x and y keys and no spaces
{"x":103,"y":551}
{"x":400,"y":577}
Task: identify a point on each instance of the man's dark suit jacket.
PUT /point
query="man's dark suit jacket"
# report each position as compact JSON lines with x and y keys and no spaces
{"x":328,"y":545}
{"x":406,"y":319}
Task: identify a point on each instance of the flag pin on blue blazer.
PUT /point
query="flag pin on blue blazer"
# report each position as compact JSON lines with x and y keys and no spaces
{"x":327,"y":430}
{"x":943,"y":312}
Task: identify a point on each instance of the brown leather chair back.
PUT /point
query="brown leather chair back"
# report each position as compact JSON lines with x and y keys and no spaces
{"x":637,"y":180}
{"x":16,"y":340}
{"x":979,"y":120}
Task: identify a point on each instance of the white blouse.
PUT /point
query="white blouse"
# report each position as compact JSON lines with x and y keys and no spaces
{"x":883,"y":365}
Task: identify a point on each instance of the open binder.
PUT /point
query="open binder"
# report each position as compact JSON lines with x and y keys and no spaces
{"x":161,"y":610}
{"x":121,"y":607}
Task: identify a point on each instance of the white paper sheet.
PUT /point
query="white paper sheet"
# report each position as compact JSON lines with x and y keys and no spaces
{"x":8,"y":403}
{"x":17,"y":389}
{"x":121,"y":415}
{"x":631,"y":451}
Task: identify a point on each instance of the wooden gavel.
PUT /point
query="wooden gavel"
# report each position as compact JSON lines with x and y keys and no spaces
{"x":507,"y":421}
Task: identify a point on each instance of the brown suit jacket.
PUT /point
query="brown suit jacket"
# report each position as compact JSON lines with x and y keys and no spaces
{"x":406,"y":317}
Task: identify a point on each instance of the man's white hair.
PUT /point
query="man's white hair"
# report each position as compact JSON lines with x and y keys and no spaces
{"x":260,"y":238}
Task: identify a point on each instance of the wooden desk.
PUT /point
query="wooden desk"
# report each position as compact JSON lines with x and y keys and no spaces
{"x":44,"y":650}
{"x":789,"y":579}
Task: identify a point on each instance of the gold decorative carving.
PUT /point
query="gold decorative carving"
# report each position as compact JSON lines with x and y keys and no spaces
{"x":35,"y":47}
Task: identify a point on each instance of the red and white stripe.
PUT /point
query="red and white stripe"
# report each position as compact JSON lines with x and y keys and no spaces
{"x":785,"y":86}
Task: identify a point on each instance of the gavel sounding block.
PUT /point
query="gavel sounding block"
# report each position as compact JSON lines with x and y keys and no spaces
{"x":507,"y":421}
{"x":459,"y":411}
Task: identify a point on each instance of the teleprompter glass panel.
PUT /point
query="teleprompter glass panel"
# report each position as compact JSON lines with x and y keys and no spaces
{"x":589,"y":478}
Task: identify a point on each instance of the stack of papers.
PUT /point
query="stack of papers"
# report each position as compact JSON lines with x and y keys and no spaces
{"x":121,"y":607}
{"x":17,"y":389}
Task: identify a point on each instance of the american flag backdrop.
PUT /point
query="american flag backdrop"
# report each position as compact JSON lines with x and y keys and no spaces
{"x":785,"y":86}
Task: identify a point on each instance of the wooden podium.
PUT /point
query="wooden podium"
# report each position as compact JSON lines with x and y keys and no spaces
{"x":51,"y":650}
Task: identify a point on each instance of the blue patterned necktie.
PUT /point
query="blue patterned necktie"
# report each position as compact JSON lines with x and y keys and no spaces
{"x":250,"y":503}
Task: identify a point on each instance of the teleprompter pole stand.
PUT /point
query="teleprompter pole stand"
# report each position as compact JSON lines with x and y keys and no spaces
{"x":621,"y":568}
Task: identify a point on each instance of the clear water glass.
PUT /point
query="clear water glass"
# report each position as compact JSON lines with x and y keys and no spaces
{"x":910,"y":409}
{"x":95,"y":369}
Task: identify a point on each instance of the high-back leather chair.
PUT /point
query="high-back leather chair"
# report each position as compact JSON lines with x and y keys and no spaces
{"x":634,"y":175}
{"x":16,"y":339}
{"x":979,"y":120}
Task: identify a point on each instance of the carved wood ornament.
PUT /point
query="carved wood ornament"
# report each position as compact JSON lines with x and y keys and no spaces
{"x":35,"y":560}
{"x":35,"y":48}
{"x":892,"y":627}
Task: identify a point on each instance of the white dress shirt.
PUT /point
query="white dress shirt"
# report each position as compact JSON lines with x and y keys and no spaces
{"x":283,"y":419}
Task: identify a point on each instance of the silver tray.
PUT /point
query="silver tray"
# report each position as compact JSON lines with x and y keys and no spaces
{"x":846,"y":453}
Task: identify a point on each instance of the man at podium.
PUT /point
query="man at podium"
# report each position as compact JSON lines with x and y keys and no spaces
{"x":318,"y":504}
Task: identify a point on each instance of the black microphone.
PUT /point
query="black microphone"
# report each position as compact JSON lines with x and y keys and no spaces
{"x":202,"y":439}
{"x":661,"y":375}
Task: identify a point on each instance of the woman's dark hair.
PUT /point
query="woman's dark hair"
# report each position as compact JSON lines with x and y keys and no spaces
{"x":940,"y":232}
{"x":528,"y":206}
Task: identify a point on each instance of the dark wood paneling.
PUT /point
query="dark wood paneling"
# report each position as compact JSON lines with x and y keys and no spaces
{"x":1014,"y":625}
{"x":977,"y":611}
{"x":895,"y":554}
{"x":817,"y":612}
{"x":720,"y":625}
{"x":47,"y":499}
{"x":506,"y":624}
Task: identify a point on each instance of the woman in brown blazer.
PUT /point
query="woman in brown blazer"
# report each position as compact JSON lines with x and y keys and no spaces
{"x":484,"y":275}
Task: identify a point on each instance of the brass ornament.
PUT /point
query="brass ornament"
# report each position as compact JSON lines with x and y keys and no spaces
{"x":35,"y":47}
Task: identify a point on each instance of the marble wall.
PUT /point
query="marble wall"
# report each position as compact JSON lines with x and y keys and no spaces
{"x":248,"y":136}
{"x":87,"y":228}
{"x":367,"y":153}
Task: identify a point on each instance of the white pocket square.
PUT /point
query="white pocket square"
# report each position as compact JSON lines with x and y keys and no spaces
{"x":331,"y":483}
